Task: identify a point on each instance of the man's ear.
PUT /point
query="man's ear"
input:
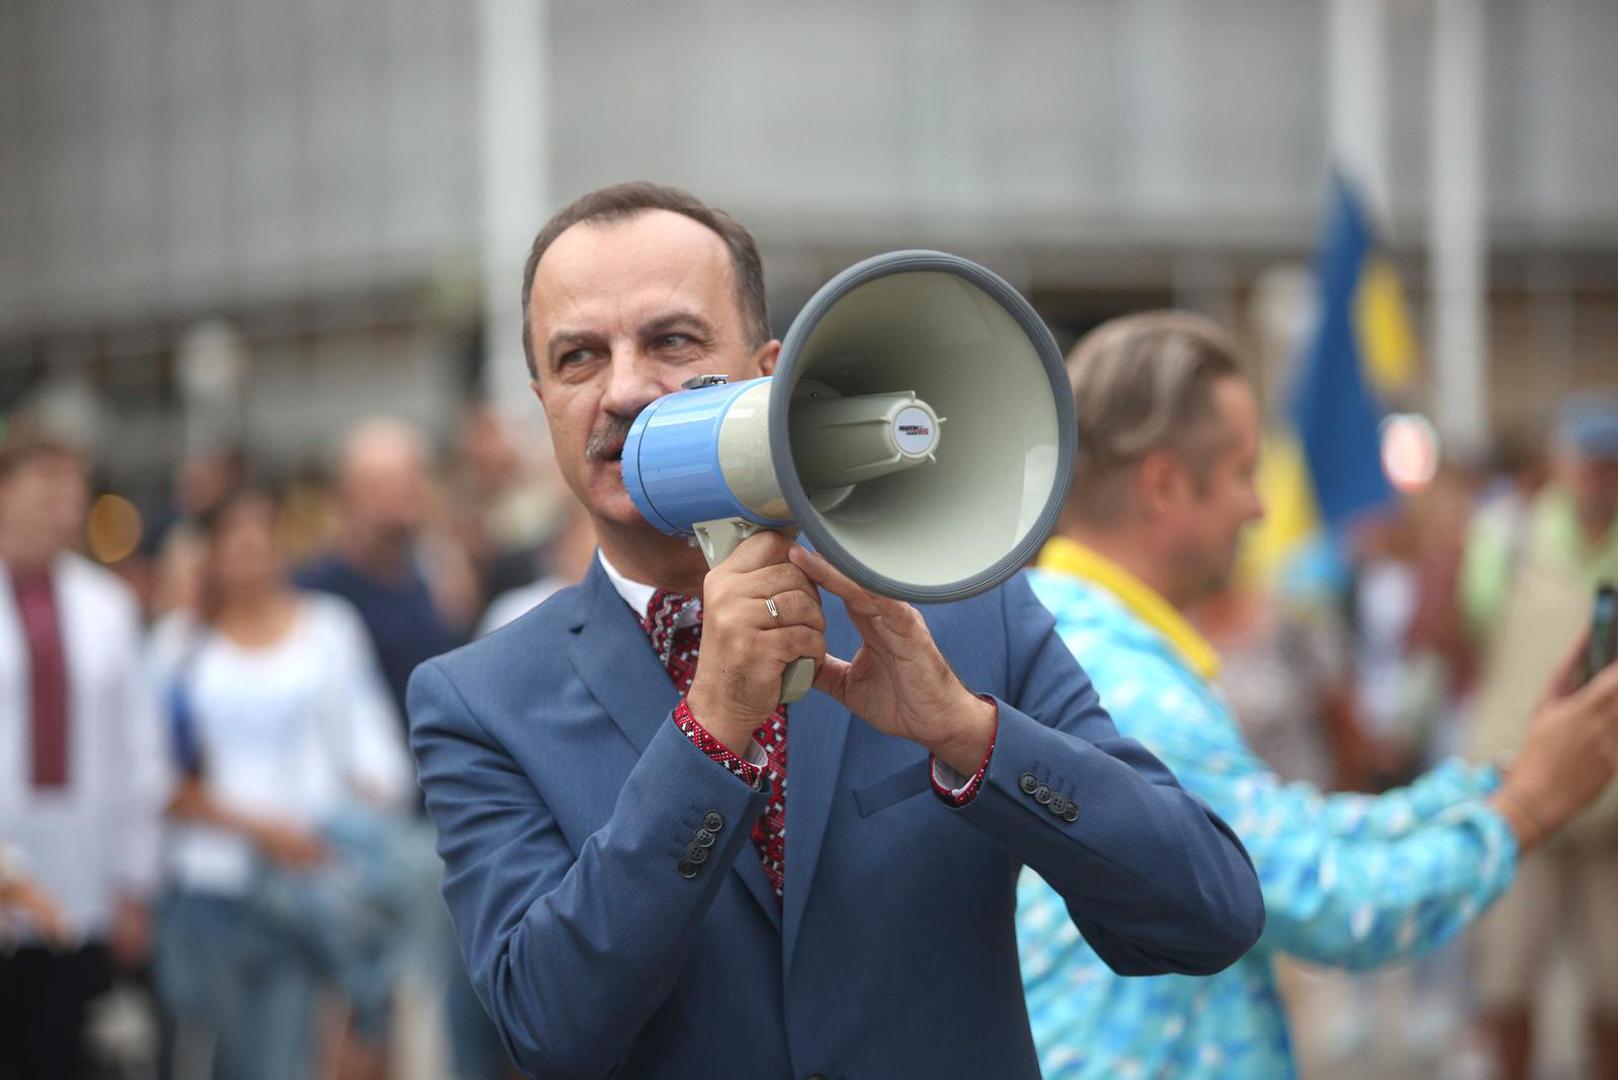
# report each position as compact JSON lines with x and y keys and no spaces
{"x":767,"y":356}
{"x":1160,"y":481}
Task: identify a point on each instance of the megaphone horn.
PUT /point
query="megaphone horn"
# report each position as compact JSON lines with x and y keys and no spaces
{"x":847,"y":440}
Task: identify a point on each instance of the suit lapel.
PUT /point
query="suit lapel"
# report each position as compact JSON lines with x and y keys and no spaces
{"x":614,"y":659}
{"x":817,"y":727}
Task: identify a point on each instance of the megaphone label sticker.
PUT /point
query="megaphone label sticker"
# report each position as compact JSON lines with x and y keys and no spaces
{"x":915,"y":431}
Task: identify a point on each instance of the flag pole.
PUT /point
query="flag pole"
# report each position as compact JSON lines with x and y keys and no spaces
{"x":1456,"y":226}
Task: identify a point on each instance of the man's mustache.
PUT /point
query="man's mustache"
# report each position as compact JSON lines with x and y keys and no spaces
{"x":608,"y":438}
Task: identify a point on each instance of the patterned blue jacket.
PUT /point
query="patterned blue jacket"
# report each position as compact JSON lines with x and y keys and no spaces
{"x":1349,"y":880}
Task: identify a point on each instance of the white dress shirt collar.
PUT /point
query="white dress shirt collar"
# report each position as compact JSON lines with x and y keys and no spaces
{"x":636,"y":594}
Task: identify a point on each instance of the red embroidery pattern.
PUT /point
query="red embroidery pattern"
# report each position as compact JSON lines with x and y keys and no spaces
{"x":712,"y":746}
{"x":674,"y":624}
{"x":969,"y":792}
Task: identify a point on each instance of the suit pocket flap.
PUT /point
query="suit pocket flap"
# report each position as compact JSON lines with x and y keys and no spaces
{"x":912,"y":779}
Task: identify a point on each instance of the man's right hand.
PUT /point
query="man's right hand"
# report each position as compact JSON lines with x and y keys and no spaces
{"x":288,"y":845}
{"x":745,"y":650}
{"x":30,"y":900}
{"x":1569,"y":757}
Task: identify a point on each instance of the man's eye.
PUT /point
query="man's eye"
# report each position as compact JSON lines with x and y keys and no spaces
{"x":573,"y":356}
{"x":673,"y":341}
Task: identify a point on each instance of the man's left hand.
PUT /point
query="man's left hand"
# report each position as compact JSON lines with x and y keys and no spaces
{"x":131,"y":936}
{"x":899,"y":682}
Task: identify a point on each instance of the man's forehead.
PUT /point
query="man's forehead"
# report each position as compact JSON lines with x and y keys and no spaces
{"x":50,"y":463}
{"x":653,"y":255}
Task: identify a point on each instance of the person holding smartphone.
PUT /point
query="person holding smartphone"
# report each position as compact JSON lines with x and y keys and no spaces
{"x":1168,"y":438}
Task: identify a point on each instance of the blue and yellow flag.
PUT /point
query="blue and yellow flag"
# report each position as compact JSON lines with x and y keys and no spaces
{"x":1323,"y":464}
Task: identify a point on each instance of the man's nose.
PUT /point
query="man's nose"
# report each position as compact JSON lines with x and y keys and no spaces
{"x":633,"y":382}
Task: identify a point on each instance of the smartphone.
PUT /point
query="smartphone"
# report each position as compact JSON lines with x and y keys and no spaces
{"x":1603,"y":632}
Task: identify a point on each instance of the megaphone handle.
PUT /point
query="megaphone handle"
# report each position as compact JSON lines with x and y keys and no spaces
{"x":796,"y":679}
{"x":718,"y":538}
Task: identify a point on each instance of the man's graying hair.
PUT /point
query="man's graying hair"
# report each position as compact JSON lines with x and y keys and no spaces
{"x":1143,"y":383}
{"x":620,"y":202}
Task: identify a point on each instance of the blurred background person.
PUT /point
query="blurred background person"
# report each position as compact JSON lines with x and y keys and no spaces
{"x":1284,"y":669}
{"x":509,"y":509}
{"x":1390,"y":689}
{"x":1405,"y":659}
{"x":173,"y":545}
{"x":82,"y":777}
{"x":290,"y":752}
{"x":567,"y":557}
{"x":1527,"y":584}
{"x":415,"y":586}
{"x":381,"y":562}
{"x":24,"y":902}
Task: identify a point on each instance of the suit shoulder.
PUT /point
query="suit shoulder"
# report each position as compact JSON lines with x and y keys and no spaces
{"x":977,"y":633}
{"x":985,"y":613}
{"x":500,"y":679}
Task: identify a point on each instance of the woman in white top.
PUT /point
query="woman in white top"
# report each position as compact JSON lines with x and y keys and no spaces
{"x":283,"y":731}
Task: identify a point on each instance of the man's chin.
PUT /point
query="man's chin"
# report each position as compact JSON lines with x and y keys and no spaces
{"x":611,"y":503}
{"x":1226,"y":574}
{"x":1215,"y":578}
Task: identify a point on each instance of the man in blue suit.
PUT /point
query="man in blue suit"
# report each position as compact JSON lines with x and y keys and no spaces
{"x":612,"y":803}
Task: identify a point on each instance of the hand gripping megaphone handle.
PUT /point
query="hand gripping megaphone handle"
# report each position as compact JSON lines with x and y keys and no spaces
{"x":718,"y":539}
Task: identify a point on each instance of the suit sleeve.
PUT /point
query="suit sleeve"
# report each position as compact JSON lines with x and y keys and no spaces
{"x":1155,"y":881}
{"x":571,"y":951}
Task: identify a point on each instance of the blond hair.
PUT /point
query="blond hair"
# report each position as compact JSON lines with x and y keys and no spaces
{"x":1143,"y":383}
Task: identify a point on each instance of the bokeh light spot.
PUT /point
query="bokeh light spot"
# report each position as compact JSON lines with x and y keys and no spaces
{"x":114,"y":529}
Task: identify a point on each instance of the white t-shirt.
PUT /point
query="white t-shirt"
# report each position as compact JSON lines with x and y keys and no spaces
{"x":287,"y":732}
{"x":513,"y":604}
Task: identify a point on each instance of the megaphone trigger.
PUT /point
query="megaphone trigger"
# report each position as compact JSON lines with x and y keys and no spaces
{"x":720,"y":537}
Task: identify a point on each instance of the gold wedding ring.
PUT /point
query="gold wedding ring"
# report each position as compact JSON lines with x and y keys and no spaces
{"x":775,"y":612}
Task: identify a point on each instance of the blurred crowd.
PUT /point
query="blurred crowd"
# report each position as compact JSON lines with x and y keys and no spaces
{"x":213,"y":860}
{"x":1430,"y":631}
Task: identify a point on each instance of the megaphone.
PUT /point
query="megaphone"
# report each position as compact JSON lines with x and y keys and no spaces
{"x":918,"y":429}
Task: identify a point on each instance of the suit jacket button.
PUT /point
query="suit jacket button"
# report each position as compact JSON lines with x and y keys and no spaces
{"x":705,"y":838}
{"x":1042,"y":794}
{"x":688,"y":870}
{"x":1072,"y":813}
{"x":1058,"y":805}
{"x":713,"y":821}
{"x":696,"y":854}
{"x":1028,"y":783}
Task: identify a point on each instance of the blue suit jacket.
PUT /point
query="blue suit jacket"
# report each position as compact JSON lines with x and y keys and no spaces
{"x":566,"y":801}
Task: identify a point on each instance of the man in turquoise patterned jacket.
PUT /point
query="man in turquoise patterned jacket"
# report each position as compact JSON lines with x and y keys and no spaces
{"x":1168,"y":443}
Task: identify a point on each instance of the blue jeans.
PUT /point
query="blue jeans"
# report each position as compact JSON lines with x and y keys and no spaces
{"x":475,"y":1050}
{"x":223,"y":971}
